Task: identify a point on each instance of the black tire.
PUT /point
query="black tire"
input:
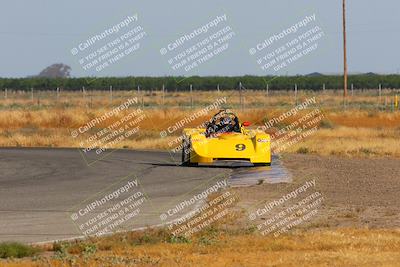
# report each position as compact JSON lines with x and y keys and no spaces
{"x":261,"y":164}
{"x":185,"y":162}
{"x":186,"y":154}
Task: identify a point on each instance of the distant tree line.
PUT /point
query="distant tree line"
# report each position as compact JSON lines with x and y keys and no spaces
{"x":201,"y":83}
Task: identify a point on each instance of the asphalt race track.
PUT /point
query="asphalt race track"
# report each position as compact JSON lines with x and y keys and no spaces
{"x":40,"y":188}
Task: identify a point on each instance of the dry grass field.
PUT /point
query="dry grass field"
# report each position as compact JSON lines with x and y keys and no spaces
{"x":345,"y":247}
{"x":368,"y":126}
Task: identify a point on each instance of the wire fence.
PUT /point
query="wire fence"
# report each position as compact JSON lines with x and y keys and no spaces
{"x":243,"y":98}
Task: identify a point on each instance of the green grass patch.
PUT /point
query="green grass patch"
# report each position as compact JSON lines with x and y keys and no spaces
{"x":16,"y":250}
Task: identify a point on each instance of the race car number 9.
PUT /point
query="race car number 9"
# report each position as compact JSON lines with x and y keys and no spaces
{"x":240,"y":147}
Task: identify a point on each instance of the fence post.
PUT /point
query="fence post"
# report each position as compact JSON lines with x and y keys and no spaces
{"x":191,"y":96}
{"x":352,"y":89}
{"x":111,"y":94}
{"x":163,"y":94}
{"x":218,"y":88}
{"x":295,"y":93}
{"x":392,"y":105}
{"x":58,"y":93}
{"x":240,"y":96}
{"x":380,"y":94}
{"x":84,"y":95}
{"x":323,"y":88}
{"x":32,"y":94}
{"x":5,"y":93}
{"x":38,"y":98}
{"x":140,"y":96}
{"x":142,"y":101}
{"x":386,"y":102}
{"x":267,"y":89}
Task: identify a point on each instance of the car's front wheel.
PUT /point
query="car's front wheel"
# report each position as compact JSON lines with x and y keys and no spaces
{"x":262,"y":164}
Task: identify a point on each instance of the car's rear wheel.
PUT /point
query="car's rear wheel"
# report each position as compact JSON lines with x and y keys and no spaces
{"x":186,"y":153}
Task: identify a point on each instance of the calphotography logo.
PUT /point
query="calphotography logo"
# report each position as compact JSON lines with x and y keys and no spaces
{"x":187,"y":120}
{"x":282,"y":214}
{"x":110,"y":46}
{"x":280,"y":50}
{"x":195,"y":48}
{"x":197,"y":198}
{"x":123,"y":125}
{"x":110,"y":212}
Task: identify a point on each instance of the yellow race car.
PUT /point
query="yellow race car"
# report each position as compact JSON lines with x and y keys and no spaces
{"x":224,"y":138}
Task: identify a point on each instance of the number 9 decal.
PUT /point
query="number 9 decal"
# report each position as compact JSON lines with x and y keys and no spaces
{"x":240,"y":147}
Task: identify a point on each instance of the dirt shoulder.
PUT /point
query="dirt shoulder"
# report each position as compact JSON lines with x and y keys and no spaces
{"x":356,"y":192}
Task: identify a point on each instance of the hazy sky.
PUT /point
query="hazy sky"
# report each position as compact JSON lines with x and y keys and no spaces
{"x":37,"y":33}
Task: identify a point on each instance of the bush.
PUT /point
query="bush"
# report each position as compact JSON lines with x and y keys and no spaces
{"x":16,"y":250}
{"x":179,"y":240}
{"x":303,"y":150}
{"x":326,"y":124}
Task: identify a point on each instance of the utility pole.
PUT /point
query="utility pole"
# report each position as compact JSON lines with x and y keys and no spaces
{"x":344,"y":52}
